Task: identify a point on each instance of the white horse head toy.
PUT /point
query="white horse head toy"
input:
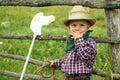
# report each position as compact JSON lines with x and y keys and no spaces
{"x":38,"y":21}
{"x":36,"y":24}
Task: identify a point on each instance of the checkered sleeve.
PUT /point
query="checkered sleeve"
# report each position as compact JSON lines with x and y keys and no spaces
{"x":85,"y":48}
{"x":58,"y":62}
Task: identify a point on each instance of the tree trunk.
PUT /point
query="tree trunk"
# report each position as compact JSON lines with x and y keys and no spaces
{"x":113,"y":30}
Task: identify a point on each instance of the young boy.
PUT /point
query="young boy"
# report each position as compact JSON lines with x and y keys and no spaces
{"x":81,"y":49}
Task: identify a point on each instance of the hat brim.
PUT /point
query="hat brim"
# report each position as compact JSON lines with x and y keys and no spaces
{"x":91,"y":21}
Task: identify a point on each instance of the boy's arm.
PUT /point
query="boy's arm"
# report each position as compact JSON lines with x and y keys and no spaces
{"x":58,"y":62}
{"x":85,"y":49}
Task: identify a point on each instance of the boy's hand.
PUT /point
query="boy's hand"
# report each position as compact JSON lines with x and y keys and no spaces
{"x":50,"y":63}
{"x":77,"y":34}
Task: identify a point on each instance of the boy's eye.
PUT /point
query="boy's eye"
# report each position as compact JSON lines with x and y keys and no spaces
{"x":81,"y":24}
{"x":74,"y":25}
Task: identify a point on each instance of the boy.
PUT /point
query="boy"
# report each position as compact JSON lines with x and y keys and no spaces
{"x":81,"y":49}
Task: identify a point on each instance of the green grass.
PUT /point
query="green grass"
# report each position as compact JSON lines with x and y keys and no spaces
{"x":18,"y":21}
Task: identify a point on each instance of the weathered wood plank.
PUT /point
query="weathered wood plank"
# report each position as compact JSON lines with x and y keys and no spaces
{"x":39,"y":3}
{"x":55,"y":37}
{"x":38,"y":77}
{"x":22,"y":58}
{"x":113,"y":30}
{"x":26,"y":76}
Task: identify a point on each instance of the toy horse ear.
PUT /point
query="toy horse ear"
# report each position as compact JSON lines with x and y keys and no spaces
{"x":35,"y":25}
{"x":38,"y":21}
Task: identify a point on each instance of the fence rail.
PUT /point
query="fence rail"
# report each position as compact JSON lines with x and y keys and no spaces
{"x":41,"y":3}
{"x":55,"y":37}
{"x":26,"y":76}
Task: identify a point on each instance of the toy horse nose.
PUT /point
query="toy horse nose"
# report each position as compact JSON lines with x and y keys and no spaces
{"x":48,"y":19}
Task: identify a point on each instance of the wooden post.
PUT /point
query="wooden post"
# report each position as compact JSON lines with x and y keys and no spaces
{"x":113,"y":31}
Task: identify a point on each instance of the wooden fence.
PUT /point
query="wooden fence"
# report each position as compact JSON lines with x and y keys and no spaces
{"x":112,"y":23}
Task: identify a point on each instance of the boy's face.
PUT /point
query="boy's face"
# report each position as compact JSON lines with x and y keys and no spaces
{"x":79,"y":26}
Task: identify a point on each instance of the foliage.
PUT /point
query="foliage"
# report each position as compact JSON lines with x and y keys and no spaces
{"x":16,"y":20}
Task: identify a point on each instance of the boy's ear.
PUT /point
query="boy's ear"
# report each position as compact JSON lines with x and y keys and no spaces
{"x":68,"y":26}
{"x":89,"y":26}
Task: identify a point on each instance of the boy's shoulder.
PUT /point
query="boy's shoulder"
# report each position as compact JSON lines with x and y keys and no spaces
{"x":90,"y":39}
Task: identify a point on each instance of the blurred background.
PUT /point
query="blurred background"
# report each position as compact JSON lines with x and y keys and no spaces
{"x":16,"y":20}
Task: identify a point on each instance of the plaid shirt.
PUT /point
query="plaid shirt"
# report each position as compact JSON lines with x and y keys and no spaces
{"x":80,"y":59}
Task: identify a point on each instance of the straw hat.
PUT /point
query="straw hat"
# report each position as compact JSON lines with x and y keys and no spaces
{"x":78,"y":13}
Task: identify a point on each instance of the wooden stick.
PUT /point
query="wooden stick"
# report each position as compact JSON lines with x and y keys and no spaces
{"x":27,"y":58}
